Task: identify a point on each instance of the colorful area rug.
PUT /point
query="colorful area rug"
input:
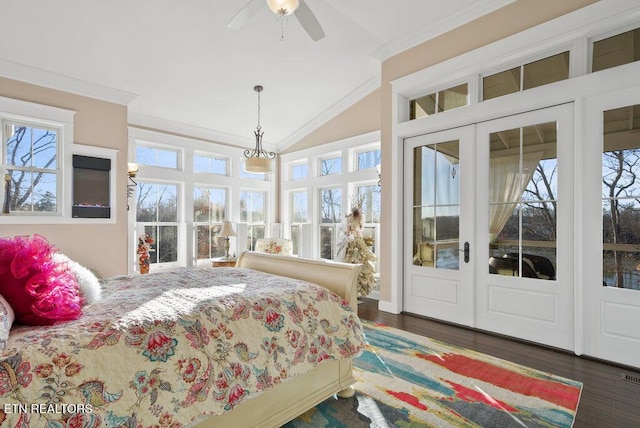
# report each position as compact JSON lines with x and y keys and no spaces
{"x":407,"y":380}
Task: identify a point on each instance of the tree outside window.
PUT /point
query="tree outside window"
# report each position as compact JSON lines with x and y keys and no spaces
{"x":157,"y":212}
{"x":209,"y":205}
{"x":31,"y":162}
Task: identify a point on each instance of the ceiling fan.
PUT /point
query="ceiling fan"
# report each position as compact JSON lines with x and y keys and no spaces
{"x":282,"y":8}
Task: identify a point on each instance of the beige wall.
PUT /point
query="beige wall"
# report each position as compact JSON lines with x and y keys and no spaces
{"x":361,"y":118}
{"x":97,"y":123}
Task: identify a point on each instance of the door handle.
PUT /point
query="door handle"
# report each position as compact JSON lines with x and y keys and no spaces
{"x":465,"y":250}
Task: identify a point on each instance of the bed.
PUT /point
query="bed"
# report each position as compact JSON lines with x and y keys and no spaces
{"x":168,"y":349}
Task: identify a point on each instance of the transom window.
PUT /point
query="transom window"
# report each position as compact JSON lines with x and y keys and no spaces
{"x":299,"y":171}
{"x":447,"y":99}
{"x":210,"y":164}
{"x":537,"y":73}
{"x":617,"y":50}
{"x":331,"y":166}
{"x":154,"y":156}
{"x":30,"y":158}
{"x":368,"y":159}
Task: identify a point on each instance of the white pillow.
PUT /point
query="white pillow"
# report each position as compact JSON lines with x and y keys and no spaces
{"x":90,"y":288}
{"x":6,"y":321}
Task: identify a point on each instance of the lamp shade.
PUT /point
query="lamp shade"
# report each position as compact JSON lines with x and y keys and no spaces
{"x":258,"y":164}
{"x":227,"y":230}
{"x":283,"y":7}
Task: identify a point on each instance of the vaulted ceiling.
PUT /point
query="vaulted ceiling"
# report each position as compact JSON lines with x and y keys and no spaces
{"x":186,"y":68}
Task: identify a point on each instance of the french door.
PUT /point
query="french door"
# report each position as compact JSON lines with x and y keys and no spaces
{"x":491,"y":244}
{"x":438,"y":225}
{"x":525,"y":226}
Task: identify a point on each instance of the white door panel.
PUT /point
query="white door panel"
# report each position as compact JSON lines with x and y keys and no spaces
{"x":524,"y":197}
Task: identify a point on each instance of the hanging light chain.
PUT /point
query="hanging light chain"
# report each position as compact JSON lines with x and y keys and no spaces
{"x":258,"y":150}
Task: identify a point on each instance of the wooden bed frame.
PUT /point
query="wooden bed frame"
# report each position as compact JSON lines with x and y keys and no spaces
{"x":288,"y":400}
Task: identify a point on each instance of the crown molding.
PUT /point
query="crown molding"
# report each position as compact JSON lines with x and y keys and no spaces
{"x":51,"y":80}
{"x":463,"y":16}
{"x":350,"y":99}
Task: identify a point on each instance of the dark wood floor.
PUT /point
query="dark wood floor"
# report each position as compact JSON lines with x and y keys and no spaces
{"x":607,"y":400}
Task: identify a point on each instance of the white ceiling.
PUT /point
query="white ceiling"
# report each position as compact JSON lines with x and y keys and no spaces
{"x":187,"y":69}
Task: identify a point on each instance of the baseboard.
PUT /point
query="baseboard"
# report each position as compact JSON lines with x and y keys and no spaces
{"x":387,"y":306}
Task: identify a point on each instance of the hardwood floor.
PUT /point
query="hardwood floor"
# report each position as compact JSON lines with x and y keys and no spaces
{"x":607,"y":401}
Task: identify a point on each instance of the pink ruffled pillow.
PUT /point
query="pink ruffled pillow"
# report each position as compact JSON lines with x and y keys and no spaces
{"x":40,"y":290}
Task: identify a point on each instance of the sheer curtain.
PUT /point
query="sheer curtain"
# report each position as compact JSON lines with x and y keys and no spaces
{"x":506,"y":185}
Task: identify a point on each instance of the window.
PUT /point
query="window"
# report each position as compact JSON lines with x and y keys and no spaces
{"x":299,"y":171}
{"x":437,"y":102}
{"x":209,"y":207}
{"x":617,"y":50}
{"x":620,"y":198}
{"x":210,"y":164}
{"x":297,"y":216}
{"x":523,"y":211}
{"x":253,"y":210}
{"x":30,"y":158}
{"x":331,"y":166}
{"x":330,"y":219}
{"x":370,"y":194}
{"x":153,"y":156}
{"x":157,"y":213}
{"x":527,"y":76}
{"x":368,"y":159}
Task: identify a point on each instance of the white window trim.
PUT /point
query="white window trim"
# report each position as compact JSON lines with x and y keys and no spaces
{"x":184,"y":175}
{"x":347,"y":148}
{"x":63,"y":119}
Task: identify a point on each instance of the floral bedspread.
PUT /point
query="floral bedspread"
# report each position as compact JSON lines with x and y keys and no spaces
{"x":161,"y":350}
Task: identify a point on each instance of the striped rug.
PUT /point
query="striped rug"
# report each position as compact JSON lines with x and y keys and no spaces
{"x":407,"y":380}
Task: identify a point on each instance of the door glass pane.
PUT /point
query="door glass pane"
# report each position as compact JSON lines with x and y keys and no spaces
{"x":523,"y":191}
{"x":620,"y":192}
{"x":436,"y":230}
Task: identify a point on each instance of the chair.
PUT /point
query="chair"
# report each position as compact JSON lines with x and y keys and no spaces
{"x":509,"y":266}
{"x":541,"y":265}
{"x":274,"y":246}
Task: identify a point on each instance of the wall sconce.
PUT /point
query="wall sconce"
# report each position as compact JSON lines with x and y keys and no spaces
{"x":131,"y":185}
{"x":226,"y":232}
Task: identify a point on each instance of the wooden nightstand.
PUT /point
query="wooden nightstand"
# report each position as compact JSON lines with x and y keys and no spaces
{"x":222,"y":262}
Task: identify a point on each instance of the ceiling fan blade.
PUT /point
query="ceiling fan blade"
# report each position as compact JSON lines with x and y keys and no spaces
{"x":246,"y":13}
{"x":309,"y":21}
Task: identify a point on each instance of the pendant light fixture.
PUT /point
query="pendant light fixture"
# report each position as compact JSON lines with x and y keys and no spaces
{"x":258,"y":159}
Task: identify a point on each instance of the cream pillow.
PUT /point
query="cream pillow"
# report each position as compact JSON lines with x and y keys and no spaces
{"x":89,"y":284}
{"x":6,"y":321}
